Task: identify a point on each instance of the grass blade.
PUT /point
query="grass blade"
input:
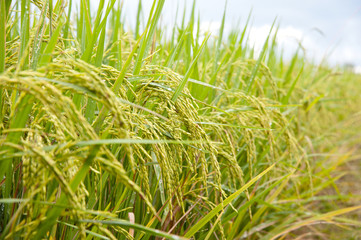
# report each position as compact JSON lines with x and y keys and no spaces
{"x":149,"y":36}
{"x":179,"y":89}
{"x":286,"y":99}
{"x":139,"y":11}
{"x":322,"y":217}
{"x":118,"y":82}
{"x":2,"y":35}
{"x":54,"y":213}
{"x":127,"y":224}
{"x":46,"y":56}
{"x":193,"y":230}
{"x":259,"y":61}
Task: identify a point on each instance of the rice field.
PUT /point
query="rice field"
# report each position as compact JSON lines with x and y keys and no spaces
{"x":108,"y":132}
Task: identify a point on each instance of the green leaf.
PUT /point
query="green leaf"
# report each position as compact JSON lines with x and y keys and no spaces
{"x":127,"y":224}
{"x":53,"y":213}
{"x":2,"y":36}
{"x":47,"y":54}
{"x":87,"y":231}
{"x":180,"y":87}
{"x":151,"y":26}
{"x":259,"y":61}
{"x":326,"y":217}
{"x":193,"y":230}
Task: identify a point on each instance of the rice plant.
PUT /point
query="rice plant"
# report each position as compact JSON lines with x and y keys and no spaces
{"x":116,"y":133}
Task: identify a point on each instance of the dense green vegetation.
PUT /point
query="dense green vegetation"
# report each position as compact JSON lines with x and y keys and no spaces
{"x":107,"y":133}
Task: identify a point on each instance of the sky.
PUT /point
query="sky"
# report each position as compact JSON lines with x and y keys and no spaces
{"x":329,"y":28}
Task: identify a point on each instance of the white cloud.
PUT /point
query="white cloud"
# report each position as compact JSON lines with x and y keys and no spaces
{"x":212,"y":27}
{"x":289,"y":34}
{"x":258,"y":35}
{"x":357,"y":69}
{"x":338,"y":22}
{"x":288,"y":38}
